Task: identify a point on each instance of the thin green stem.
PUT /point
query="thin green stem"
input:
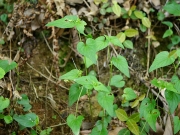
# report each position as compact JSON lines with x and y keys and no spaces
{"x":78,"y":101}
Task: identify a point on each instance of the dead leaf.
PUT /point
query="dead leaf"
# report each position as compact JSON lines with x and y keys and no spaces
{"x":156,"y":3}
{"x":115,"y":131}
{"x":16,"y":95}
{"x":52,"y":101}
{"x":34,"y":25}
{"x":60,"y":5}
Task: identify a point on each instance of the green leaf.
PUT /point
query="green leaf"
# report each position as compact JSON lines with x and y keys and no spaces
{"x":134,"y":103}
{"x":71,"y":75}
{"x":25,"y":102}
{"x":172,"y":8}
{"x":74,"y":93}
{"x":4,"y":17}
{"x":161,"y":60}
{"x":4,"y":103}
{"x":68,"y":21}
{"x":124,"y":131}
{"x":121,"y":114}
{"x":138,"y":14}
{"x":8,"y":119}
{"x":27,"y":120}
{"x":116,"y":8}
{"x":143,"y":28}
{"x":100,"y":87}
{"x":135,"y":117}
{"x":88,"y":62}
{"x":80,"y":26}
{"x":121,"y":36}
{"x":9,"y":7}
{"x":163,"y":85}
{"x":173,"y":100}
{"x":88,"y":49}
{"x":160,"y":16}
{"x":151,"y":118}
{"x":168,"y":23}
{"x":102,"y":11}
{"x":121,"y":63}
{"x":99,"y":130}
{"x":2,"y":41}
{"x":101,"y":43}
{"x":146,"y":106}
{"x":75,"y":123}
{"x":2,"y":73}
{"x":46,"y":131}
{"x":114,"y":40}
{"x":33,"y":132}
{"x":87,"y":81}
{"x":133,"y":127}
{"x":128,"y":44}
{"x":146,"y":22}
{"x":145,"y":126}
{"x":1,"y":116}
{"x":129,"y":94}
{"x":176,"y":124}
{"x":175,"y":80}
{"x":167,"y":33}
{"x":175,"y":39}
{"x":131,"y":32}
{"x":117,"y":81}
{"x":7,"y":66}
{"x":106,"y":101}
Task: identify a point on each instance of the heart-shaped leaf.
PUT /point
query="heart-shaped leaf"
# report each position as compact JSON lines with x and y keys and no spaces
{"x":27,"y":120}
{"x":88,"y":49}
{"x":117,"y":81}
{"x":151,"y":118}
{"x":106,"y":101}
{"x":74,"y":123}
{"x":161,"y":60}
{"x":172,"y":103}
{"x":4,"y":103}
{"x":75,"y":92}
{"x":7,"y":66}
{"x":101,"y":43}
{"x":129,"y":94}
{"x":121,"y":63}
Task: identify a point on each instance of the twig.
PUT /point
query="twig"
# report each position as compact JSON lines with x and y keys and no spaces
{"x":35,"y":91}
{"x":47,"y":42}
{"x":46,"y":77}
{"x":148,"y":54}
{"x":87,"y":4}
{"x":60,"y":124}
{"x":50,"y":73}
